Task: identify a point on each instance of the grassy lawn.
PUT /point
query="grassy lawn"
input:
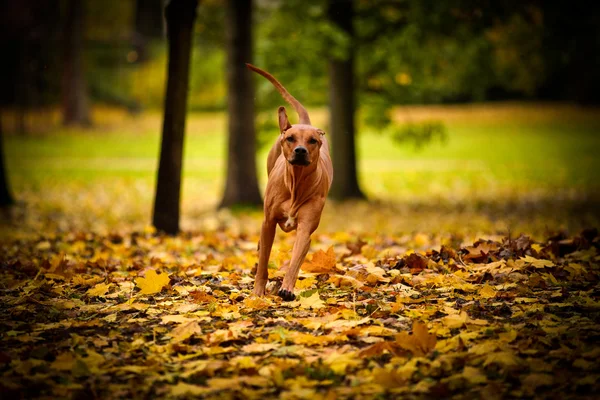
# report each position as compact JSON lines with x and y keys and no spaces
{"x":494,"y":153}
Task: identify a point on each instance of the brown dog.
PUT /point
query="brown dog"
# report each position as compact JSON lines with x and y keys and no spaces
{"x":300,"y":175}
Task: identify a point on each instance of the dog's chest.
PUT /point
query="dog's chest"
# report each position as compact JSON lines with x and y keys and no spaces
{"x":287,"y":221}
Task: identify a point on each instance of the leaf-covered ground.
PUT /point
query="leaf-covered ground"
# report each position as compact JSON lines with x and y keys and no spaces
{"x":400,"y":299}
{"x":140,"y":315}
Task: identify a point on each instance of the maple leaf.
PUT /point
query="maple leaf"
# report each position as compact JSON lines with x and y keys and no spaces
{"x":487,"y":292}
{"x":185,"y":330}
{"x":536,"y":263}
{"x":256,"y":303}
{"x":420,"y":343}
{"x":455,"y":320}
{"x":321,"y":262}
{"x":313,"y":301}
{"x":255,"y":348}
{"x":200,"y":296}
{"x":473,"y":375}
{"x":186,"y":390}
{"x":415,"y":262}
{"x":480,"y":251}
{"x":98,"y":290}
{"x":152,"y":283}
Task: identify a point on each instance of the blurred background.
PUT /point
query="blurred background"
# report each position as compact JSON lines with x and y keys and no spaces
{"x":473,"y":116}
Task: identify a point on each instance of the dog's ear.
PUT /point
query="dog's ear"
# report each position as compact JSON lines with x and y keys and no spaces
{"x":284,"y":123}
{"x":320,"y":132}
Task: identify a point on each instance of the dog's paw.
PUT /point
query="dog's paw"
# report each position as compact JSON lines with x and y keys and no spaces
{"x":286,"y":295}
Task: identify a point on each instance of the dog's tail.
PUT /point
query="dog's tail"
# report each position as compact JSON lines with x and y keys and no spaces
{"x":302,"y":113}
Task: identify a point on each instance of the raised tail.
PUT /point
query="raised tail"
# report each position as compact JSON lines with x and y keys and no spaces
{"x":302,"y":113}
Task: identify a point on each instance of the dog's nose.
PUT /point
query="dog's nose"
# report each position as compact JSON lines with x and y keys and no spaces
{"x":300,"y":150}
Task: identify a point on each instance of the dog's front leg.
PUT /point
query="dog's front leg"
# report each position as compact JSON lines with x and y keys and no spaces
{"x":298,"y":255}
{"x":267,"y":234}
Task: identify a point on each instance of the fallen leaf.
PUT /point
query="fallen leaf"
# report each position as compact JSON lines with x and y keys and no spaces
{"x":185,"y":331}
{"x":321,"y":262}
{"x":152,"y":283}
{"x":420,"y":343}
{"x":313,"y":301}
{"x":99,"y":290}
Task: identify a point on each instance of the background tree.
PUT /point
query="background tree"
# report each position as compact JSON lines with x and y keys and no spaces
{"x":180,"y":16}
{"x":148,"y":25}
{"x":241,"y":186}
{"x":74,"y":86}
{"x":6,"y":198}
{"x":342,"y":106}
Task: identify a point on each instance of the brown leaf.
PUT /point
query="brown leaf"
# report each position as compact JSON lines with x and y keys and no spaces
{"x":355,"y":247}
{"x":416,"y":263}
{"x":201,"y":297}
{"x":322,"y":262}
{"x":420,"y":343}
{"x":480,"y":250}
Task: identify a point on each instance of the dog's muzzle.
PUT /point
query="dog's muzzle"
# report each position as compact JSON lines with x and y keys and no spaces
{"x":300,"y":156}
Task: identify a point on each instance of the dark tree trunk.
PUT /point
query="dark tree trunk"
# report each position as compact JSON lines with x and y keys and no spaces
{"x":74,"y":87}
{"x":342,"y":107}
{"x":6,"y":198}
{"x":180,"y":15}
{"x":148,"y":25}
{"x":241,"y":186}
{"x":149,"y":18}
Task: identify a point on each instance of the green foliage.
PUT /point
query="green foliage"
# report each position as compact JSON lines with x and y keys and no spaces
{"x":420,"y":133}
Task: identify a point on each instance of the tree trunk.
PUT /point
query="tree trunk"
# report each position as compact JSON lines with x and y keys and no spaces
{"x":180,"y":15}
{"x":342,"y":107}
{"x":6,"y":198}
{"x":241,"y":186}
{"x":74,"y":90}
{"x":148,"y":25}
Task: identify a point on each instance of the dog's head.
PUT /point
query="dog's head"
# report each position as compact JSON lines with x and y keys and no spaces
{"x":300,"y":143}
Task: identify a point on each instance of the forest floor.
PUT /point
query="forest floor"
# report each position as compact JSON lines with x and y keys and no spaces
{"x":475,"y":273}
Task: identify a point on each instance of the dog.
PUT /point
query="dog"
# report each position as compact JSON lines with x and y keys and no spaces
{"x":299,"y":177}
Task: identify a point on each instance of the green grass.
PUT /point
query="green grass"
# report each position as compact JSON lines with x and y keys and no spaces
{"x":494,"y":153}
{"x":555,"y":151}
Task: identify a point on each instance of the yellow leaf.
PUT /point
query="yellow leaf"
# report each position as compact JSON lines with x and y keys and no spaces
{"x":305,"y":283}
{"x":388,"y":379}
{"x":509,"y":336}
{"x":487,"y":292}
{"x":503,"y":358}
{"x":177,"y":318}
{"x":313,"y":301}
{"x":340,"y":362}
{"x":260,"y":347}
{"x":536,"y":262}
{"x":575,"y":269}
{"x":184,"y":331}
{"x":186,"y":390}
{"x":369,"y":252}
{"x":152,"y":282}
{"x":256,"y":303}
{"x":345,"y":281}
{"x":473,"y":375}
{"x":63,"y":362}
{"x":376,"y":330}
{"x":322,"y":262}
{"x":420,"y":343}
{"x":455,"y":321}
{"x":99,"y":290}
{"x":93,"y":361}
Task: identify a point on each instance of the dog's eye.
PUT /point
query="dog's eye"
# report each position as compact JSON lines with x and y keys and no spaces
{"x":312,"y":141}
{"x":290,"y":139}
